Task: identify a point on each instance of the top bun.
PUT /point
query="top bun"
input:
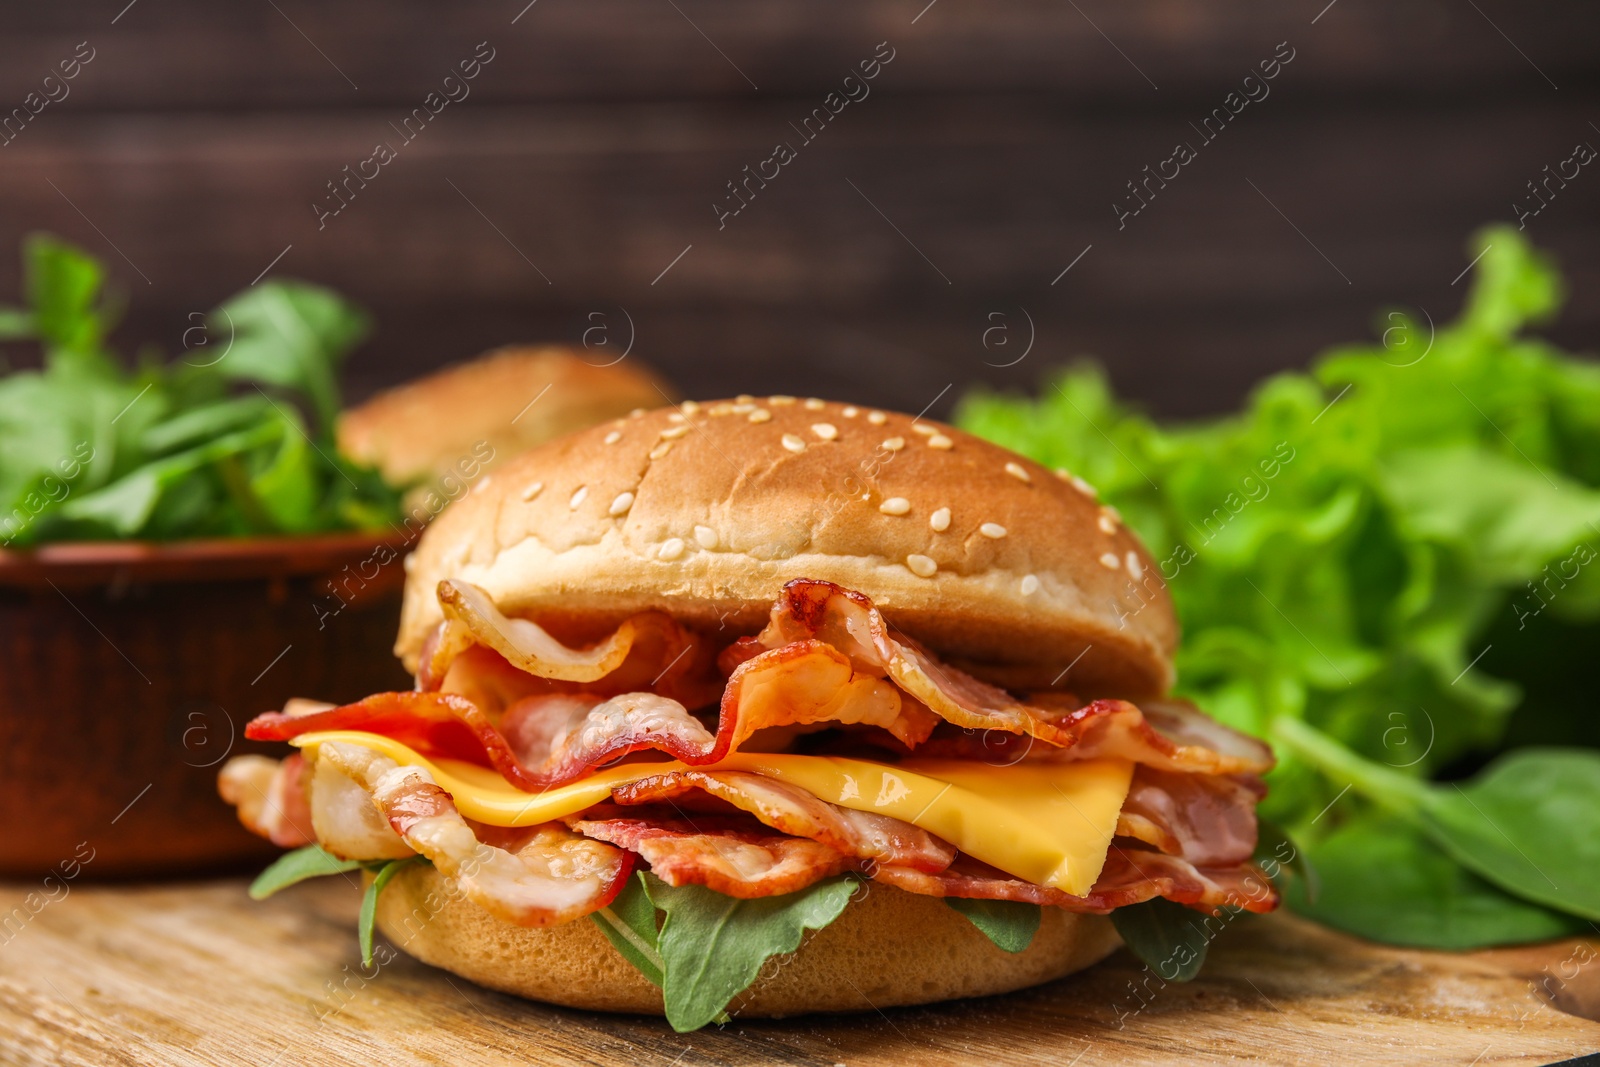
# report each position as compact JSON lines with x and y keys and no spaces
{"x":417,"y":433}
{"x":705,"y":510}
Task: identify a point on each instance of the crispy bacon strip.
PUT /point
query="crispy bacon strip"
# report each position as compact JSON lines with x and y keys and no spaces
{"x":716,"y":853}
{"x":551,"y":739}
{"x":346,"y":820}
{"x":848,"y":621}
{"x":554,"y":877}
{"x":270,"y":797}
{"x":1130,"y":876}
{"x":1207,"y":819}
{"x":787,"y":809}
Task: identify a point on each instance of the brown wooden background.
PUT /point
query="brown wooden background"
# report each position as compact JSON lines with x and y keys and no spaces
{"x":598,"y":138}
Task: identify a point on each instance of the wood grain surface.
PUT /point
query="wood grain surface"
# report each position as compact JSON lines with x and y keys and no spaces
{"x":591,"y":150}
{"x":198,"y":974}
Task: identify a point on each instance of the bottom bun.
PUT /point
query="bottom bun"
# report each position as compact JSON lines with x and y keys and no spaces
{"x":887,"y":948}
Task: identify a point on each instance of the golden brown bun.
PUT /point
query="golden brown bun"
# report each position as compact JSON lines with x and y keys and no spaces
{"x":887,"y":948}
{"x":724,"y":510}
{"x":419,"y":432}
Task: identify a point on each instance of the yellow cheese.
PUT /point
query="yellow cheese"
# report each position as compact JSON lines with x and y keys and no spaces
{"x":1046,"y":823}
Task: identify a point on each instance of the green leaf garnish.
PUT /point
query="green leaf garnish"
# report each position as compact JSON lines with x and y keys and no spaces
{"x":369,"y":903}
{"x":236,"y":438}
{"x":1168,"y":938}
{"x":629,"y":923}
{"x":713,"y":946}
{"x":1010,"y":924}
{"x":1387,"y":882}
{"x":1378,"y":553}
{"x":312,"y":861}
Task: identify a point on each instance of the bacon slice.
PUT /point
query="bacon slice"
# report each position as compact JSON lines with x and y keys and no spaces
{"x":270,"y":797}
{"x":719,"y":855}
{"x":551,"y":739}
{"x":555,"y":875}
{"x":1130,"y":876}
{"x":848,"y":621}
{"x":863,"y":835}
{"x":1209,"y":820}
{"x":346,"y":820}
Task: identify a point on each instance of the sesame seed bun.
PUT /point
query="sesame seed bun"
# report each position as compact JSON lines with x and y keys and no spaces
{"x":705,"y":510}
{"x":888,"y":948}
{"x":511,"y":398}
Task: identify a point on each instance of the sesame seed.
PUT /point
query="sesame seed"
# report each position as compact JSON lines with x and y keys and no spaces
{"x":613,"y":437}
{"x":671,"y":549}
{"x":1030,"y":584}
{"x":793,"y":443}
{"x":532,"y":491}
{"x":760,"y":415}
{"x":1110,"y":561}
{"x":1016,"y":471}
{"x":941,"y":442}
{"x":620,"y":505}
{"x":895,"y":444}
{"x":481,"y":486}
{"x":992,"y":530}
{"x":1106,"y":525}
{"x":877,"y":418}
{"x":744,"y":398}
{"x":924,"y":429}
{"x":940,"y":520}
{"x":743,"y":407}
{"x":1084,"y":487}
{"x":1135,"y":568}
{"x":676,"y":416}
{"x":850,"y":411}
{"x":672,"y":433}
{"x":895,"y":505}
{"x":636,"y":413}
{"x":780,"y":400}
{"x":825,"y":430}
{"x":577,"y":496}
{"x":661,"y":450}
{"x":689,"y":407}
{"x":922,"y":566}
{"x":1116,"y":516}
{"x":706,"y":536}
{"x":813,"y":404}
{"x":720,"y":409}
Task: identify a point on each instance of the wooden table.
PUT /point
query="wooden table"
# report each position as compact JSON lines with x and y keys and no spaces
{"x":198,"y":974}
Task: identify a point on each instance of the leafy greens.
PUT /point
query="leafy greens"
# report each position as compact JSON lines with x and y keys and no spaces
{"x":1338,"y":552}
{"x":90,"y":449}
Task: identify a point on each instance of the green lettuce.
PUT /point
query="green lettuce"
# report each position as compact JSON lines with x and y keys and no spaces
{"x":1378,"y":551}
{"x":235,"y":438}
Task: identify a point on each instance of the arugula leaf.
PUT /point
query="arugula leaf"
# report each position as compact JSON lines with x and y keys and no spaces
{"x":1339,"y":549}
{"x":1010,"y":924}
{"x":1533,"y":802}
{"x":1168,"y":938}
{"x":1276,"y":852}
{"x":629,"y":923}
{"x":89,"y":449}
{"x":1387,"y":882}
{"x":713,"y":946}
{"x":312,"y":861}
{"x":369,"y":903}
{"x":291,"y":335}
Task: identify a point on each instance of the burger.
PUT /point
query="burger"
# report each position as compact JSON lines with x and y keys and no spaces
{"x":768,"y":706}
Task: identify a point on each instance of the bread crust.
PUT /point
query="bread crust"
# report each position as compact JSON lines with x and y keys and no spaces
{"x":888,"y":948}
{"x":420,"y":432}
{"x":706,"y":510}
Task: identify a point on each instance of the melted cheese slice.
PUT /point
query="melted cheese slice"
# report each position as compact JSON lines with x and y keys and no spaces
{"x":1046,"y":823}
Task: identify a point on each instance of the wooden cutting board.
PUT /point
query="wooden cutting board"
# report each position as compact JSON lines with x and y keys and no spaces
{"x":198,"y":974}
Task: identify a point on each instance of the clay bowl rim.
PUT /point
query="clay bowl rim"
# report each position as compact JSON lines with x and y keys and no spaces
{"x":82,"y":563}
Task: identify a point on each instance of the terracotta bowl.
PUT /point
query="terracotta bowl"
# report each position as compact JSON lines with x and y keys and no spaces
{"x":128,"y":671}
